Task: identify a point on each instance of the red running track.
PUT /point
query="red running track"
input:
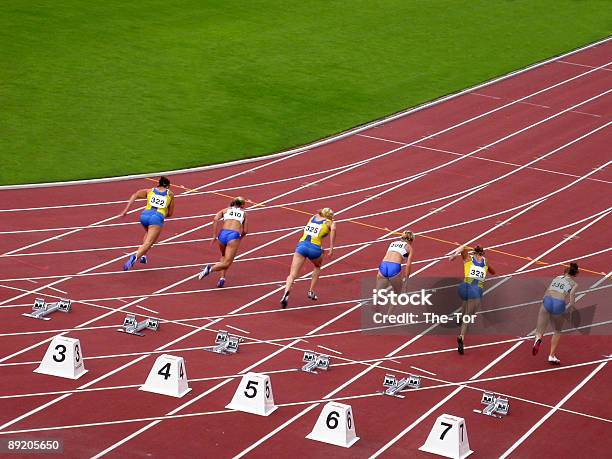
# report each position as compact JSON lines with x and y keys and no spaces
{"x":521,"y":166}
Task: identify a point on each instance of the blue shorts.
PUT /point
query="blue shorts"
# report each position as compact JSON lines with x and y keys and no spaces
{"x":309,"y":250}
{"x":555,"y":306}
{"x":469,"y":291}
{"x":151,"y":218}
{"x":226,"y":236}
{"x":389,"y":269}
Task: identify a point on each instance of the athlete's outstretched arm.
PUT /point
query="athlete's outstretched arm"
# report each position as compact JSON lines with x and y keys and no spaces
{"x":463,"y":251}
{"x":140,"y":194}
{"x":409,"y":263}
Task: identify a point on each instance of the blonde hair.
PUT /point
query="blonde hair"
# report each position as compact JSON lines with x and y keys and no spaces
{"x":238,"y":201}
{"x":407,"y":236}
{"x":326,"y":212}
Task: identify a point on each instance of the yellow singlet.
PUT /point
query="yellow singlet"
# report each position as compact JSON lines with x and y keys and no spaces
{"x":315,"y":231}
{"x":158,"y":201}
{"x":474,"y":271}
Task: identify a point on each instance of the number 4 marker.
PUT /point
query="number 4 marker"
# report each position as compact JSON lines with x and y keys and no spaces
{"x":167,"y":377}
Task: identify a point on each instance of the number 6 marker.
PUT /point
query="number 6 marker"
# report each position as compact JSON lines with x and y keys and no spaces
{"x":335,"y":426}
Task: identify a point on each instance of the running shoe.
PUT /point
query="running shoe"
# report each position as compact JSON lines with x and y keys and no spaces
{"x":205,"y":272}
{"x":221,"y":282}
{"x":460,"y":345}
{"x":536,"y":346}
{"x":143,"y":259}
{"x":553,"y":360}
{"x":312,"y":295}
{"x":284,"y":300}
{"x":128,"y":264}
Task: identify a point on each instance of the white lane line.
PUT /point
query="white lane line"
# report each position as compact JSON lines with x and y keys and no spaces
{"x":147,"y":309}
{"x":330,"y":349}
{"x":586,"y":113}
{"x":58,"y":290}
{"x":553,"y":410}
{"x":238,"y":329}
{"x":424,"y":371}
{"x":328,"y":140}
{"x":485,"y":95}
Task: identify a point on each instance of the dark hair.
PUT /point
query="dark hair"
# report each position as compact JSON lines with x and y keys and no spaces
{"x":478,"y":250}
{"x":573,"y":269}
{"x":164,"y":181}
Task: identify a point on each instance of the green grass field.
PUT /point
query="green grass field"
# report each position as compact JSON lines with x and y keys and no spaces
{"x":94,"y":89}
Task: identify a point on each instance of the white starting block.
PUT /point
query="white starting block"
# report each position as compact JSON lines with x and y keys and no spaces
{"x":335,"y":425}
{"x":495,"y":406}
{"x":315,"y":362}
{"x":393,"y":385}
{"x":64,"y":358}
{"x":41,"y":309}
{"x":254,"y":395}
{"x":225,"y":343}
{"x":132,"y":327}
{"x":167,"y":377}
{"x":448,"y":438}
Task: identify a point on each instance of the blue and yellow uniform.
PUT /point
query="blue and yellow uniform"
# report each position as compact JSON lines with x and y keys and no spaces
{"x":156,"y":209}
{"x":311,"y":242}
{"x":474,"y":274}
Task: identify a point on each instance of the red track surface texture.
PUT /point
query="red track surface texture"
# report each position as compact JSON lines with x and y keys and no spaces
{"x":538,"y":143}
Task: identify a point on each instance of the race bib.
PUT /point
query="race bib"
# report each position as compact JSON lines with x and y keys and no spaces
{"x":399,"y":247}
{"x":313,"y":230}
{"x":478,"y":272}
{"x":561,"y":285}
{"x":234,"y":214}
{"x":158,"y":201}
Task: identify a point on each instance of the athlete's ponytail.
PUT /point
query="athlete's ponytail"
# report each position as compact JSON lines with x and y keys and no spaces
{"x":407,"y":236}
{"x":327,"y":213}
{"x":573,"y":269}
{"x":238,"y":201}
{"x":164,"y":182}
